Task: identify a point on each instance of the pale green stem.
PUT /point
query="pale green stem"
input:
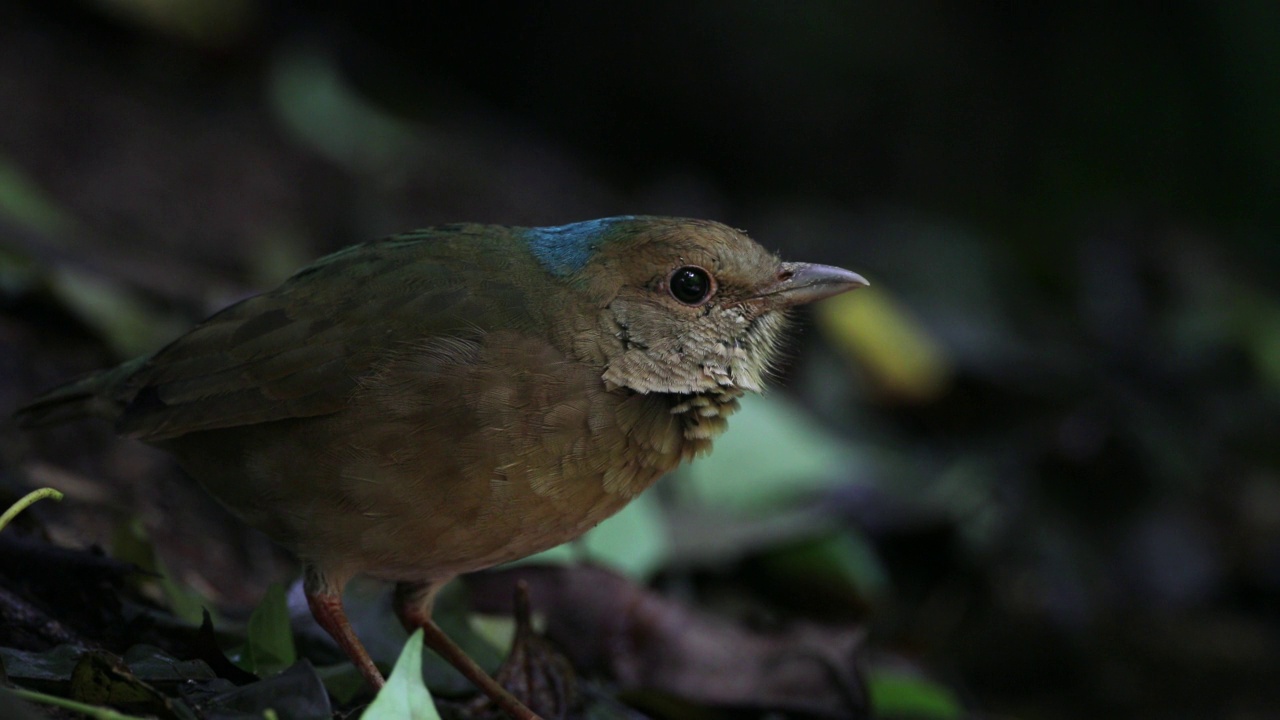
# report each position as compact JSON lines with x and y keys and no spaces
{"x":26,"y":502}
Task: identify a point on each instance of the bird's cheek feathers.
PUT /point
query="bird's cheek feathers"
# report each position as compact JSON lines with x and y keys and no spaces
{"x":655,"y":348}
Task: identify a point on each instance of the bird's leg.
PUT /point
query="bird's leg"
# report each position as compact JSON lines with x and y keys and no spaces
{"x":325,"y":600}
{"x":413,"y":605}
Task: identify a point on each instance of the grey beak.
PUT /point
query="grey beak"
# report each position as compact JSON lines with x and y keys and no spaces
{"x":800,"y":283}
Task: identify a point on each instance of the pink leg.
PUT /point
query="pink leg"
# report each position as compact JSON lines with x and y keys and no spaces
{"x":413,"y":605}
{"x":325,"y":601}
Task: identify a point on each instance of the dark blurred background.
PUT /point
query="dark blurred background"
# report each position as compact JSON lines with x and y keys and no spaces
{"x":1056,"y":413}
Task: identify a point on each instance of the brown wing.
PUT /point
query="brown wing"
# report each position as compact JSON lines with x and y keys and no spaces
{"x":302,"y":349}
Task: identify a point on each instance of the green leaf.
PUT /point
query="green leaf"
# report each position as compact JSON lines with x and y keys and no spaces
{"x":634,"y":542}
{"x":405,"y":695}
{"x":24,"y":203}
{"x":773,"y":454}
{"x":842,"y":565}
{"x":153,"y":665}
{"x":315,"y":104}
{"x":269,"y":645}
{"x":497,"y":630}
{"x":119,"y":314}
{"x":897,"y":694}
{"x":343,"y":681}
{"x":130,"y":543}
{"x":51,"y":666}
{"x":298,"y":693}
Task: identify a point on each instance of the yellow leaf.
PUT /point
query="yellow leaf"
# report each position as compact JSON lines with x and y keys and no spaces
{"x":898,"y":355}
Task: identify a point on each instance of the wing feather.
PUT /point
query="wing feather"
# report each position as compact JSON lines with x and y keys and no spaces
{"x":302,"y":349}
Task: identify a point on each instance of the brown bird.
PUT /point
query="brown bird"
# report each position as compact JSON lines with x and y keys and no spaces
{"x":445,"y":400}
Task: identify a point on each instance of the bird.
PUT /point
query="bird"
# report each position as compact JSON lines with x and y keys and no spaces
{"x":441,"y":401}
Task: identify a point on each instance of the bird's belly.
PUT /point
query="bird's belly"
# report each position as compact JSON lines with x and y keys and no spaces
{"x":375,"y":530}
{"x":505,"y":525}
{"x":413,"y":504}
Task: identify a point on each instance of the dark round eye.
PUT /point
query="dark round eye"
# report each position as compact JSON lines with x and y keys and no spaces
{"x":691,"y":285}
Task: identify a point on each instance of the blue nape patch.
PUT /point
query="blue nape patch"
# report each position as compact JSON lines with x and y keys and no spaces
{"x":565,"y":249}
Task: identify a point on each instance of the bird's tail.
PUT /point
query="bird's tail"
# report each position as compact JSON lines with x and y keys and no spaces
{"x":100,"y":394}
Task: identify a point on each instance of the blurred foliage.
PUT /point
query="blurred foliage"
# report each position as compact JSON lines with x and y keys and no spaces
{"x":901,"y":695}
{"x":634,"y":541}
{"x":1037,"y":457}
{"x":202,"y":22}
{"x":24,"y":204}
{"x":317,"y":107}
{"x":130,"y":543}
{"x":776,"y":455}
{"x":899,"y":357}
{"x":268,"y":647}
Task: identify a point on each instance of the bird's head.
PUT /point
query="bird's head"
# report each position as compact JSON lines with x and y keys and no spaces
{"x":684,"y":306}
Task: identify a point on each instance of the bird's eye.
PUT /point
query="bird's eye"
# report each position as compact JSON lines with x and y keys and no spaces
{"x":691,"y":285}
